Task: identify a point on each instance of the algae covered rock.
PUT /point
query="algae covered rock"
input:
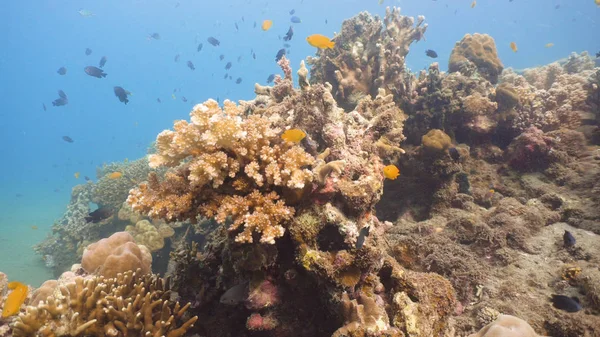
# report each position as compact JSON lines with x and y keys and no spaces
{"x":478,"y":50}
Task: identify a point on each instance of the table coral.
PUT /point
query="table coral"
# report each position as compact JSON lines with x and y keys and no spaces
{"x":368,"y":55}
{"x":479,"y":50}
{"x":116,"y":254}
{"x":132,"y":303}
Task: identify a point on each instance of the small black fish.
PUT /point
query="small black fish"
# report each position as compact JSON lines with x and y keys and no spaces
{"x":280,"y":54}
{"x":221,"y":57}
{"x":226,"y":75}
{"x":191,"y":65}
{"x":254,"y":24}
{"x":213,"y":41}
{"x":158,"y":100}
{"x":325,"y":21}
{"x":44,"y":106}
{"x":86,"y":178}
{"x":568,"y":304}
{"x":98,"y":215}
{"x":270,"y":78}
{"x":236,"y":27}
{"x":94,"y":72}
{"x":431,"y":53}
{"x":88,"y":51}
{"x":62,"y":94}
{"x":61,"y":100}
{"x":62,"y":71}
{"x":176,"y":59}
{"x":239,"y":59}
{"x":228,"y":66}
{"x":67,"y":139}
{"x":290,"y":33}
{"x":254,"y":56}
{"x":243,"y":19}
{"x":199,"y":47}
{"x":155,"y":36}
{"x":454,"y":154}
{"x":121,"y":94}
{"x":362,"y":236}
{"x":569,"y":239}
{"x":183,"y":99}
{"x":238,"y":81}
{"x":557,"y":7}
{"x":292,"y":12}
{"x":102,"y":61}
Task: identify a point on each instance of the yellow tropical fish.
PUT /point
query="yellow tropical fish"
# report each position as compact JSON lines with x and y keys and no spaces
{"x":76,"y":175}
{"x":34,"y":227}
{"x":474,"y":3}
{"x":513,"y":46}
{"x":115,"y":175}
{"x":266,"y":25}
{"x":391,"y":172}
{"x":550,"y":45}
{"x":293,"y":135}
{"x":173,"y":96}
{"x":15,"y":299}
{"x":320,"y":41}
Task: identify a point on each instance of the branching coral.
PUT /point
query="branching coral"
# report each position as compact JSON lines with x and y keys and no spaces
{"x":368,"y":55}
{"x":228,"y":157}
{"x":130,"y":304}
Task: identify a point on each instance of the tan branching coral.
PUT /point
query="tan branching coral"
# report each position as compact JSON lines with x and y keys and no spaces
{"x":131,"y":304}
{"x":116,"y":254}
{"x":224,"y":155}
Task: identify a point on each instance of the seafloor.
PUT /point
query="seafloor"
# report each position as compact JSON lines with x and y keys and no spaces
{"x":233,"y":226}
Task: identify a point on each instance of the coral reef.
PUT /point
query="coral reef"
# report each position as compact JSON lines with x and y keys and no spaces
{"x":507,"y":326}
{"x":478,"y":52}
{"x":146,"y":234}
{"x":129,"y":304}
{"x":110,"y":190}
{"x":368,"y":55}
{"x":116,"y":254}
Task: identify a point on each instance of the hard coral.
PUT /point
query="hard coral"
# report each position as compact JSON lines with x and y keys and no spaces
{"x":436,"y":140}
{"x":506,"y":326}
{"x":224,"y":156}
{"x":116,"y":254}
{"x":479,"y":50}
{"x":146,"y":234}
{"x":368,"y":55}
{"x":130,"y":304}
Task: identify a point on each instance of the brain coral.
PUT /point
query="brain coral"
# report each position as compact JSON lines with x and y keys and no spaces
{"x":116,"y":254}
{"x":480,"y":50}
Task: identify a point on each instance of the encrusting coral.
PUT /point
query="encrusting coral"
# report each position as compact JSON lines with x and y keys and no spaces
{"x":116,"y":254}
{"x":132,"y":303}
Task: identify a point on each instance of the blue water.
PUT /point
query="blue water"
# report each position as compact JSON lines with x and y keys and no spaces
{"x":38,"y":37}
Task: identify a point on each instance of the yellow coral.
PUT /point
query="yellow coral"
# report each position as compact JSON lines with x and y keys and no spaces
{"x":146,"y":234}
{"x":436,"y":140}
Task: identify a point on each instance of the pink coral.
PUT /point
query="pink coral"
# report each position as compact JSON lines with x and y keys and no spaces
{"x":263,"y":294}
{"x":530,"y":150}
{"x":257,"y":322}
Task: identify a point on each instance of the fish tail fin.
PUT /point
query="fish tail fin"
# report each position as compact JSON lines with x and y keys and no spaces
{"x":331,"y":45}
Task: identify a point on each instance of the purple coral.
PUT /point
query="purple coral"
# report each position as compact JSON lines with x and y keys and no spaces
{"x":530,"y":150}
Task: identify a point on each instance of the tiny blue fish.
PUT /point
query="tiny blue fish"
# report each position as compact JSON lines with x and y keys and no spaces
{"x":295,"y":19}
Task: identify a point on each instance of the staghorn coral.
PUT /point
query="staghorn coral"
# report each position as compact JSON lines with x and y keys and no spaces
{"x":368,"y":55}
{"x":116,"y":254}
{"x":132,"y":303}
{"x":478,"y":51}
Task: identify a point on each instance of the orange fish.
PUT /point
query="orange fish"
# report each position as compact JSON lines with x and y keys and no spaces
{"x":513,"y":46}
{"x":15,"y":299}
{"x":266,"y":25}
{"x":391,"y":172}
{"x":76,"y":175}
{"x":293,"y":135}
{"x":34,"y":227}
{"x":549,"y":45}
{"x":115,"y":175}
{"x":320,"y":41}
